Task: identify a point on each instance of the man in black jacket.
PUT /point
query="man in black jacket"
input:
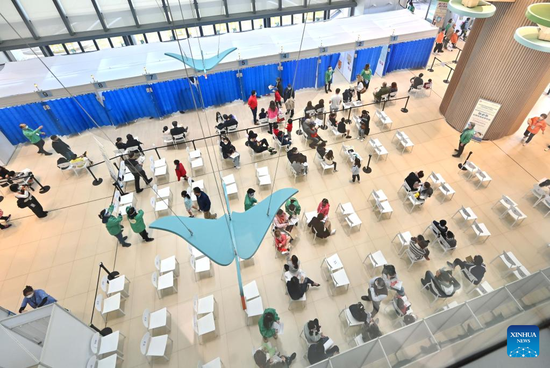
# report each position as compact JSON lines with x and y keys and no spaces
{"x":177,"y":130}
{"x":137,"y":170}
{"x":477,"y":269}
{"x":288,"y":93}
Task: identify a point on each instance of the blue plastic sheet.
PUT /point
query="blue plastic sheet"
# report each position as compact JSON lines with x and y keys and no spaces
{"x":128,"y":104}
{"x":365,"y":56}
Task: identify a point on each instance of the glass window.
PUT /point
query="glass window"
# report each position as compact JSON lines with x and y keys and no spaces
{"x":166,"y":36}
{"x":297,"y":18}
{"x":275,"y":21}
{"x":287,"y":20}
{"x":26,"y":54}
{"x":152,"y":37}
{"x":319,"y":15}
{"x":246,"y":25}
{"x":118,"y":41}
{"x":234,"y":27}
{"x":88,"y":46}
{"x":258,"y":23}
{"x":58,"y":49}
{"x":73,"y":47}
{"x":103,"y":43}
{"x":181,"y":34}
{"x":207,"y":30}
{"x":193,"y":32}
{"x":138,"y":39}
{"x":221,"y":28}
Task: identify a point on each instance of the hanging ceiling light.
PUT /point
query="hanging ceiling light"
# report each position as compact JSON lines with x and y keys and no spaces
{"x":536,"y":37}
{"x":472,"y":8}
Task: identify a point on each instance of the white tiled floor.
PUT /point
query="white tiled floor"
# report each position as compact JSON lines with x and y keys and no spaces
{"x":61,"y":253}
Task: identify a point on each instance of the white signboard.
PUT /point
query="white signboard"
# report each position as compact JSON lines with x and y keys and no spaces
{"x":382,"y":61}
{"x":483,"y":115}
{"x":345,"y":64}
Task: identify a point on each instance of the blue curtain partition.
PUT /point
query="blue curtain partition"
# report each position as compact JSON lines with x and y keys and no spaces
{"x":174,"y":95}
{"x":300,"y":73}
{"x":258,"y":78}
{"x":71,"y":117}
{"x":33,"y":115}
{"x":326,"y":61}
{"x":219,"y":88}
{"x":127,"y":104}
{"x":409,"y":55}
{"x":365,"y":56}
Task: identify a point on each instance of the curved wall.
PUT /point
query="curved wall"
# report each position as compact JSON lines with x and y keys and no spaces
{"x":495,"y":67}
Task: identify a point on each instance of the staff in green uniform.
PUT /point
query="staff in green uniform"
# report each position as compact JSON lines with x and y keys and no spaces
{"x":137,"y":224}
{"x":328,"y":79}
{"x":249,"y":200}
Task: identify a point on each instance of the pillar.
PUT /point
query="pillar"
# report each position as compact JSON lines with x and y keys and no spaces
{"x":493,"y":66}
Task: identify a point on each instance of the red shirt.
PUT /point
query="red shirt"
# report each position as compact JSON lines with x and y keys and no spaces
{"x":180,"y":171}
{"x":276,"y":131}
{"x":281,"y":243}
{"x":277,"y":96}
{"x":323,"y":209}
{"x":289,"y":127}
{"x":253,"y":102}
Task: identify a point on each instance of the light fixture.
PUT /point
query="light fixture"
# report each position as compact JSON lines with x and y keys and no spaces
{"x":472,"y":8}
{"x":536,"y":37}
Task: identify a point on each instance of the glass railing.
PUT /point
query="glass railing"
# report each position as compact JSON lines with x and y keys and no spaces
{"x":456,"y":333}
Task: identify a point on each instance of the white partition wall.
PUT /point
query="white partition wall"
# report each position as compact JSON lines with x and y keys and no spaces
{"x":453,"y":325}
{"x":408,"y":344}
{"x":530,"y":292}
{"x":6,"y":150}
{"x":16,"y":354}
{"x":67,"y":342}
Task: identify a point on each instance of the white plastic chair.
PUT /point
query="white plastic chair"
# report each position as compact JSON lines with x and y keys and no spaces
{"x":167,"y":265}
{"x":483,"y":177}
{"x":164,"y":282}
{"x":157,"y":320}
{"x":517,"y":215}
{"x":201,"y":266}
{"x":378,"y":195}
{"x":506,"y":202}
{"x":447,"y":191}
{"x":376,"y":260}
{"x":404,"y":239}
{"x":436,"y":179}
{"x":204,"y":305}
{"x":158,"y":346}
{"x":204,"y":325}
{"x":383,"y":208}
{"x":546,"y":202}
{"x":538,"y":192}
{"x":481,"y":231}
{"x":466,"y":213}
{"x":159,"y":207}
{"x":216,"y":363}
{"x":412,"y":258}
{"x":262,"y":175}
{"x":349,"y":320}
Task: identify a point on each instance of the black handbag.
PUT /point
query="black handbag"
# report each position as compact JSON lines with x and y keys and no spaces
{"x":358,"y":312}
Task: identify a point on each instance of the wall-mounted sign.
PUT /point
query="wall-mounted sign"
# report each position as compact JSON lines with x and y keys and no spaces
{"x":44,"y":94}
{"x":323,"y":50}
{"x":359,"y":43}
{"x":151,"y":77}
{"x":285,"y":56}
{"x":393,"y":38}
{"x":243,"y":62}
{"x":100,"y":85}
{"x":483,"y":115}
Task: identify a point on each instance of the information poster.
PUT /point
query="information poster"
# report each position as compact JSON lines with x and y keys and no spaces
{"x":345,"y":64}
{"x":439,"y":14}
{"x":483,"y":115}
{"x":382,"y":61}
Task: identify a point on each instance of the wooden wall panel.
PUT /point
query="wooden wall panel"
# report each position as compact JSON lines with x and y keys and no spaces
{"x":495,"y":67}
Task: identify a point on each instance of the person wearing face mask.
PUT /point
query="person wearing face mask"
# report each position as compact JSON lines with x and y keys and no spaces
{"x":35,"y":298}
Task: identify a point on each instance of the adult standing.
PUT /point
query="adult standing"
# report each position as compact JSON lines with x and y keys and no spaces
{"x":534,"y":125}
{"x":26,"y":199}
{"x":465,"y":138}
{"x":449,"y":31}
{"x":366,"y":74}
{"x":289,"y":105}
{"x":439,"y":41}
{"x":279,"y":86}
{"x":464,"y":28}
{"x":335,"y":101}
{"x":204,"y":203}
{"x":376,"y":293}
{"x":289,"y":92}
{"x":328,"y":79}
{"x":35,"y":298}
{"x":34,"y":137}
{"x":253,"y":104}
{"x":136,"y":169}
{"x":113,"y":226}
{"x":135,"y":218}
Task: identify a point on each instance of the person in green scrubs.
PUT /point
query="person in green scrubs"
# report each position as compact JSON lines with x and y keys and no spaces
{"x":328,"y":79}
{"x":34,"y":137}
{"x":366,"y":73}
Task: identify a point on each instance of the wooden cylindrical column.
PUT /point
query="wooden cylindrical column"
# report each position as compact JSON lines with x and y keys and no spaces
{"x":493,"y":66}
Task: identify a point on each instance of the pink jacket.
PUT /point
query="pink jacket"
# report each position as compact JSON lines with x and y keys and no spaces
{"x":272,"y":114}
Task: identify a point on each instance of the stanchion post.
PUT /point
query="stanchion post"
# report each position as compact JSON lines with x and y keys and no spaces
{"x":448,"y":76}
{"x":384,"y":104}
{"x":157,"y":151}
{"x":43,"y":188}
{"x":457,"y":56}
{"x":194,"y":147}
{"x":404,"y":109}
{"x":349,"y":113}
{"x":431,"y":69}
{"x":96,"y":181}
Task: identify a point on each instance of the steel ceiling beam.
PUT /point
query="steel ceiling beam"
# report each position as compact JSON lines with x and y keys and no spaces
{"x":134,"y":14}
{"x":226,"y":8}
{"x":280,"y":5}
{"x":163,"y":26}
{"x":253,"y":6}
{"x":100,"y":16}
{"x":25,"y":18}
{"x":167,"y":13}
{"x":197,"y":11}
{"x":63,"y":16}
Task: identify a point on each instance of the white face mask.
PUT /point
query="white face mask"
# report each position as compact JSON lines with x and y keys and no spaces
{"x":29,"y":296}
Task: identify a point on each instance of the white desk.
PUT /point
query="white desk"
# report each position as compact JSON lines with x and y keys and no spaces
{"x":166,"y":281}
{"x":109,"y":362}
{"x":157,"y":346}
{"x":112,"y":304}
{"x":254,"y":307}
{"x":195,"y":154}
{"x":158,"y":319}
{"x":117,"y":285}
{"x":168,"y":264}
{"x":251,"y":291}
